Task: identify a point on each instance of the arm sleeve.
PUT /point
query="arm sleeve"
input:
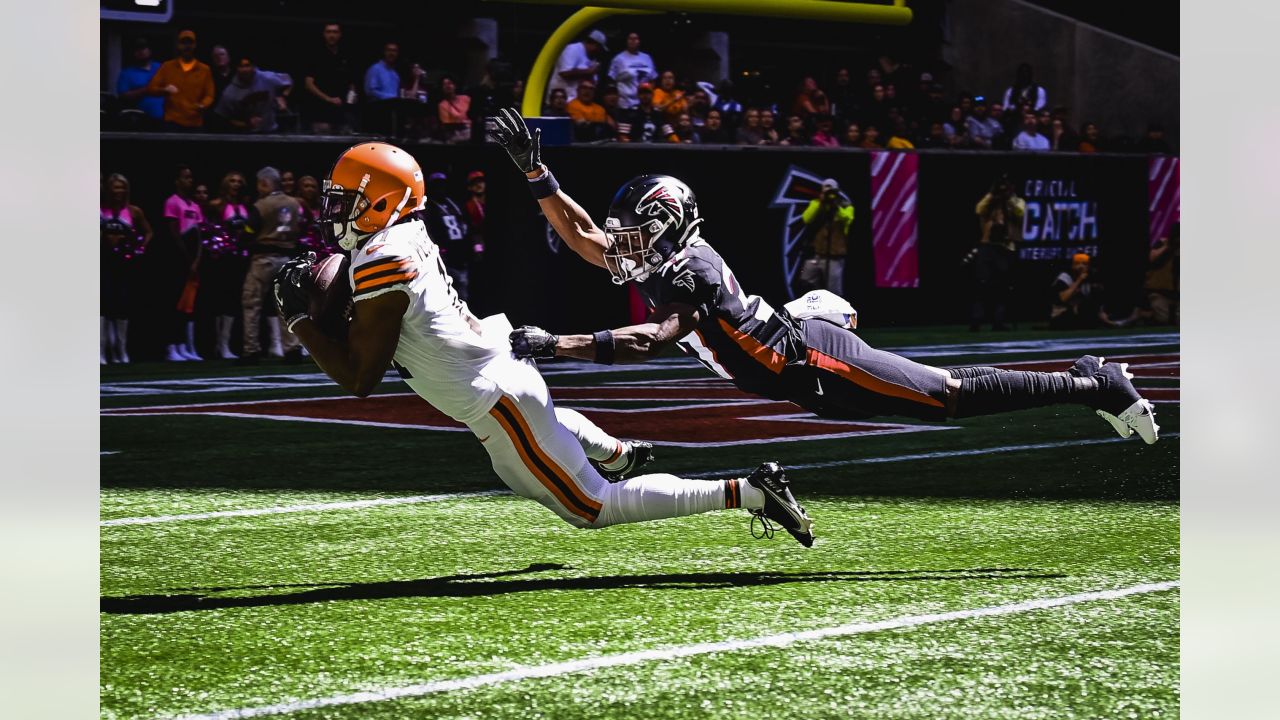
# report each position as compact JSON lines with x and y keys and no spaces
{"x":810,"y":212}
{"x":384,"y":271}
{"x":172,"y":209}
{"x":845,"y":214}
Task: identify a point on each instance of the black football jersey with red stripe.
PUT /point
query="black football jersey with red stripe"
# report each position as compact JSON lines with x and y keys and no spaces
{"x":739,"y":337}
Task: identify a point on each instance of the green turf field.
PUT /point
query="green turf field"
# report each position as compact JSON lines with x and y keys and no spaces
{"x":245,"y":572}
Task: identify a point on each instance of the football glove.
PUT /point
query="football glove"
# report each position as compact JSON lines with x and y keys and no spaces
{"x":508,"y":130}
{"x":533,"y":342}
{"x":292,"y":288}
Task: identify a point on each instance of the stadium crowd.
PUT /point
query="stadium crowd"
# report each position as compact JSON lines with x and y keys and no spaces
{"x":609,"y":96}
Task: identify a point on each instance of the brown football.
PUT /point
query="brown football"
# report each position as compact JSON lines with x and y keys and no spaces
{"x":331,"y":295}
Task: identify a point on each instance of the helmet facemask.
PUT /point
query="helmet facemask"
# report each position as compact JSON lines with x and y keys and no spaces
{"x":339,"y":209}
{"x":631,"y":255}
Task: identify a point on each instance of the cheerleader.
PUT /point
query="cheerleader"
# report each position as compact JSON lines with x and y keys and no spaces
{"x":125,"y":234}
{"x":224,"y":266}
{"x":183,"y":218}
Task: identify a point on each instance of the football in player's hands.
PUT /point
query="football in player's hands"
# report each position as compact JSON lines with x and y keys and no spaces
{"x":533,"y":342}
{"x":329,"y":301}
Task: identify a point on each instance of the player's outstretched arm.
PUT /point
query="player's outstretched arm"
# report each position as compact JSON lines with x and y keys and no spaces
{"x":567,"y":218}
{"x":631,"y":344}
{"x":358,"y":362}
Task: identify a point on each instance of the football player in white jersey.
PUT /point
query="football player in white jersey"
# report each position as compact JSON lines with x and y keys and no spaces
{"x":405,"y":309}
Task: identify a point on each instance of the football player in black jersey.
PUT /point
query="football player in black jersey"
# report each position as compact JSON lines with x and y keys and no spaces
{"x":652,"y":237}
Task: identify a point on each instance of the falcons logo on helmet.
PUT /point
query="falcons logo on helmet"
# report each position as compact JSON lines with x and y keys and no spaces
{"x":660,"y":202}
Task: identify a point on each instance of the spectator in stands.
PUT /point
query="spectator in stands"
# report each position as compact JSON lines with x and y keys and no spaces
{"x":475,"y":210}
{"x":750,"y":132}
{"x":447,"y":226}
{"x":669,"y":98}
{"x":630,"y":68}
{"x":934,"y":105}
{"x":1030,"y":137}
{"x":965,"y":102}
{"x":288,"y":184}
{"x":644,"y":122}
{"x":828,"y":220}
{"x":1161,"y":282}
{"x":823,"y":134}
{"x":223,"y":72}
{"x":714,"y":131}
{"x":900,"y":138}
{"x":558,"y":104}
{"x":873,"y":79}
{"x":609,"y":99}
{"x":186,"y":84}
{"x":181,"y":260}
{"x":275,"y":230}
{"x":1076,"y":298}
{"x":1090,"y":141}
{"x":852,"y":136}
{"x":803,"y":104}
{"x":417,"y":87}
{"x":797,"y":134}
{"x":223,"y":276}
{"x":937,"y":138}
{"x":685,"y":131}
{"x":699,"y":104}
{"x":1000,"y":214}
{"x":251,"y":101}
{"x":1153,"y":141}
{"x":382,"y":80}
{"x":124,"y":230}
{"x":590,"y":119}
{"x":453,"y":111}
{"x":131,"y":85}
{"x":956,"y":129}
{"x":982,"y":129}
{"x":579,"y":61}
{"x":843,"y":102}
{"x":330,"y":83}
{"x":1025,"y":90}
{"x":730,"y":109}
{"x":876,"y":110}
{"x":1002,"y":140}
{"x":768,"y":127}
{"x":871,"y":137}
{"x":1044,"y":124}
{"x":309,"y":198}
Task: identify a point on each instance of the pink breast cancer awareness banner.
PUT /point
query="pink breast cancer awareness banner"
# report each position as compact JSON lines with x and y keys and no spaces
{"x":893,"y":218}
{"x":1164,"y":195}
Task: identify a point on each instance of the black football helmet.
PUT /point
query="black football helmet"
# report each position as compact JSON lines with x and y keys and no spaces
{"x":650,"y":219}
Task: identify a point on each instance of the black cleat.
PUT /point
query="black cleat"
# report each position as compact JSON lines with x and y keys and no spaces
{"x":779,"y":505}
{"x":1087,"y":366}
{"x":639,"y":455}
{"x":1121,"y":405}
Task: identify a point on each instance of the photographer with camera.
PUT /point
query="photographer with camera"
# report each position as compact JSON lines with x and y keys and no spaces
{"x":827,"y":221}
{"x":1000,"y":214}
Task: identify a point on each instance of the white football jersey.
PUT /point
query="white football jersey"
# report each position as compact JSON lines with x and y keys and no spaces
{"x":450,"y":357}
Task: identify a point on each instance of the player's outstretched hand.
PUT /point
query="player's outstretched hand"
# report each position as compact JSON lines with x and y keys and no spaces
{"x":292,"y":288}
{"x":507,"y":129}
{"x":528,"y":341}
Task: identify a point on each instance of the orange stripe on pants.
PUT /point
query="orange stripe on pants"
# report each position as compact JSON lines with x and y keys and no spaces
{"x":864,"y":379}
{"x":560,"y":483}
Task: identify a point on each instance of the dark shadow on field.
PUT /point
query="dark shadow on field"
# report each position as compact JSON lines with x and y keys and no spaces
{"x":488,"y":584}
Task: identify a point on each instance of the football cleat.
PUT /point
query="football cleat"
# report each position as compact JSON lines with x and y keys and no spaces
{"x":1122,"y":406}
{"x":1087,"y":366}
{"x":639,"y":455}
{"x":779,"y":505}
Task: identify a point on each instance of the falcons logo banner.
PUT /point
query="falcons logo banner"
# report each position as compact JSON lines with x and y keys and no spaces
{"x":661,"y":203}
{"x":798,"y":187}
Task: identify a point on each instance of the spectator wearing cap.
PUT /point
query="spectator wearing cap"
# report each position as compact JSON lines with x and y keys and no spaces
{"x":131,"y":84}
{"x":186,"y":85}
{"x":628,"y":69}
{"x":222,"y":70}
{"x":330,"y":83}
{"x":475,"y":210}
{"x":447,"y":226}
{"x":251,"y":101}
{"x":590,"y":119}
{"x":579,"y":61}
{"x":645,"y":123}
{"x":1075,"y":298}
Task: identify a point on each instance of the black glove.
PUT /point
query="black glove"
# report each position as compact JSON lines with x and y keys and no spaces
{"x":533,"y":342}
{"x":508,"y":130}
{"x":292,"y":288}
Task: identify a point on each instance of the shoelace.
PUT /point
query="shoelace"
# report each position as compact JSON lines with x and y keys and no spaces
{"x":766,"y":527}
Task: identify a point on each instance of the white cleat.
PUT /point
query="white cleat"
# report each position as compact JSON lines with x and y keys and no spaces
{"x":1139,"y":416}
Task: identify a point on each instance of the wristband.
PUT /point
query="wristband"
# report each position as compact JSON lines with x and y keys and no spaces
{"x":545,"y":185}
{"x":604,"y":347}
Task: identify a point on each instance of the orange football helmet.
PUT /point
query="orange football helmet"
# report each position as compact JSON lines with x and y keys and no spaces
{"x":371,"y":186}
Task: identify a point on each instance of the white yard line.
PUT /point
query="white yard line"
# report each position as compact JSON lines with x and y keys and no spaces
{"x":109,"y":452}
{"x":280,"y":510}
{"x":681,"y":651}
{"x":928,"y":455}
